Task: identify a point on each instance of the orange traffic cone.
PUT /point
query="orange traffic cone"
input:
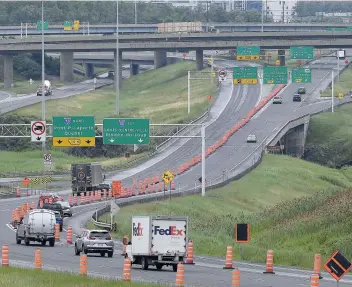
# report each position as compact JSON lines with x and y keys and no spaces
{"x":228,"y":262}
{"x":269,"y":262}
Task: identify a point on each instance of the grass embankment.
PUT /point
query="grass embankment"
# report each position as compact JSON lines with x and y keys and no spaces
{"x":160,"y":95}
{"x":18,"y":277}
{"x":17,"y":162}
{"x":295,"y":230}
{"x":329,"y":140}
{"x":344,"y":85}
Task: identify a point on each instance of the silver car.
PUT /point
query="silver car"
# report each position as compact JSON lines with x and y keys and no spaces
{"x":277,"y":100}
{"x":251,"y":139}
{"x":94,"y":241}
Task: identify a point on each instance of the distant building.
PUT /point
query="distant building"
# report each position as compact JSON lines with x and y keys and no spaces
{"x":281,"y":11}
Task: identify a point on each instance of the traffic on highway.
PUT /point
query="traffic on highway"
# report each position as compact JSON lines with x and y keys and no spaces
{"x":230,"y":107}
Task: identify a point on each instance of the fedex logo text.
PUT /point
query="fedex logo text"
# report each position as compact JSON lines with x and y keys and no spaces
{"x":137,"y":230}
{"x":170,"y":231}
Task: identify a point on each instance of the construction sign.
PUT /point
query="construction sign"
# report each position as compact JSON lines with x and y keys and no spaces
{"x":337,"y":265}
{"x":168,"y":176}
{"x":116,"y":187}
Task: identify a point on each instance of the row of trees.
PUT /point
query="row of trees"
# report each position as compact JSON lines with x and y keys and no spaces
{"x":309,"y":8}
{"x":13,"y":13}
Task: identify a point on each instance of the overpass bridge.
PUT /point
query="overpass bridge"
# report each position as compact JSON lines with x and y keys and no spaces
{"x":87,"y":29}
{"x":161,"y":44}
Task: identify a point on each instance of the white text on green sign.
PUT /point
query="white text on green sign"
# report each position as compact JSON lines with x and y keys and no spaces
{"x":75,"y":126}
{"x":125,"y":131}
{"x":302,"y":53}
{"x":245,"y":72}
{"x":275,"y":75}
{"x":248,"y":50}
{"x":301,"y":75}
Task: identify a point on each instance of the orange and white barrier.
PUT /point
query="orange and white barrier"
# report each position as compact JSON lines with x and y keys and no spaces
{"x":18,"y":192}
{"x":180,"y":275}
{"x":190,"y":256}
{"x":83,"y":265}
{"x":75,"y":201}
{"x":5,"y":255}
{"x":126,"y":276}
{"x":269,"y":262}
{"x":317,"y":265}
{"x":82,"y":198}
{"x":314,"y":280}
{"x":38,"y":259}
{"x":228,"y":260}
{"x":69,"y":235}
{"x":236,"y":279}
{"x":57,"y":232}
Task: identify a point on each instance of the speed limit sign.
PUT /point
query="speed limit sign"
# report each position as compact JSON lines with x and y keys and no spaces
{"x":222,"y":75}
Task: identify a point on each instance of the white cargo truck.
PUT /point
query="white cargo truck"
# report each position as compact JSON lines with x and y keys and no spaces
{"x":158,"y":241}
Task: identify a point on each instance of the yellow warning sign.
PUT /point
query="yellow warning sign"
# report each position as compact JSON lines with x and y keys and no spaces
{"x":247,"y":58}
{"x":277,"y":62}
{"x":340,"y":95}
{"x":168,"y":176}
{"x":74,"y":142}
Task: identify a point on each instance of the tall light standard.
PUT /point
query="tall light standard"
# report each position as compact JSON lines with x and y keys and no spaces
{"x":43,"y":74}
{"x":117,"y":69}
{"x":135,"y":12}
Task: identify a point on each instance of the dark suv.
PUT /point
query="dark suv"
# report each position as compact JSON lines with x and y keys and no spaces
{"x":297,"y":98}
{"x":301,"y":91}
{"x":53,"y":207}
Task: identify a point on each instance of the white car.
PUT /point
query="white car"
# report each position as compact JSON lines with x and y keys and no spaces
{"x":251,"y":139}
{"x":277,"y":100}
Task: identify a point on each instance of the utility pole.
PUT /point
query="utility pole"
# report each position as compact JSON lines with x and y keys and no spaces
{"x":135,"y":12}
{"x":283,"y":11}
{"x":207,"y":16}
{"x":117,"y":67}
{"x":43,"y":74}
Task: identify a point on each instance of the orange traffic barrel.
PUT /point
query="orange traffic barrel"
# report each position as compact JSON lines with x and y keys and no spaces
{"x":126,"y":276}
{"x":228,"y":260}
{"x":190,"y":256}
{"x":317,"y":265}
{"x":38,"y":259}
{"x":180,"y":275}
{"x":269,"y":262}
{"x":83,"y":265}
{"x":236,"y":277}
{"x":314,"y":280}
{"x":5,"y":255}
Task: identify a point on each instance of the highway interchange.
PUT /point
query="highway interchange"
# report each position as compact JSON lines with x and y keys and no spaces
{"x":234,"y":102}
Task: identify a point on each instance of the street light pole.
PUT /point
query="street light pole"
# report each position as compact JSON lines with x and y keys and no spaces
{"x":135,"y":12}
{"x":117,"y":70}
{"x":332,"y":90}
{"x":262,"y":17}
{"x":203,"y":159}
{"x":43,"y":73}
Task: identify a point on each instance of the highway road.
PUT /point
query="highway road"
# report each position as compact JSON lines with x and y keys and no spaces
{"x":8,"y":104}
{"x":208,"y":270}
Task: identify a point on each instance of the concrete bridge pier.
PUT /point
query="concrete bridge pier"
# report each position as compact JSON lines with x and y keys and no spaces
{"x":8,"y":71}
{"x":66,"y":66}
{"x":295,"y":140}
{"x":134,"y":69}
{"x":199,"y":59}
{"x":118,"y":68}
{"x":160,"y":59}
{"x":89,"y":70}
{"x":281,"y":56}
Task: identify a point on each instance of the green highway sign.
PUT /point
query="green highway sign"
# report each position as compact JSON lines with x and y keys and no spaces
{"x":122,"y":131}
{"x":75,"y":131}
{"x":248,"y":53}
{"x":245,"y":75}
{"x":39,"y":25}
{"x":302,"y":53}
{"x":68,"y":25}
{"x":275,"y":75}
{"x":301,"y":75}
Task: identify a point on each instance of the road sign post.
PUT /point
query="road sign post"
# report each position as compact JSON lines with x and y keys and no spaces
{"x":45,"y":27}
{"x":302,"y":53}
{"x":68,"y":25}
{"x":75,"y":131}
{"x":275,"y":75}
{"x":222,"y":75}
{"x":48,"y":161}
{"x":248,"y":53}
{"x":125,"y":131}
{"x":168,"y":177}
{"x":38,"y":131}
{"x":245,"y":75}
{"x":301,"y":75}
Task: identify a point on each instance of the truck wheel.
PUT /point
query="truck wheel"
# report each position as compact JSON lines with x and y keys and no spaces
{"x":85,"y":250}
{"x":174,"y":267}
{"x":110,"y":254}
{"x":144,"y":263}
{"x":52,"y":242}
{"x":61,"y":228}
{"x":43,"y":242}
{"x":102,"y":253}
{"x":158,"y":266}
{"x":26,"y":241}
{"x":18,"y":240}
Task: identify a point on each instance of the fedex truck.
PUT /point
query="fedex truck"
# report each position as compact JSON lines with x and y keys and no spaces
{"x":158,"y":241}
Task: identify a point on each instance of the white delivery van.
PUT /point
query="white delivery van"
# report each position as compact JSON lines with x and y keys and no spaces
{"x":158,"y":241}
{"x":47,"y":89}
{"x":38,"y":225}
